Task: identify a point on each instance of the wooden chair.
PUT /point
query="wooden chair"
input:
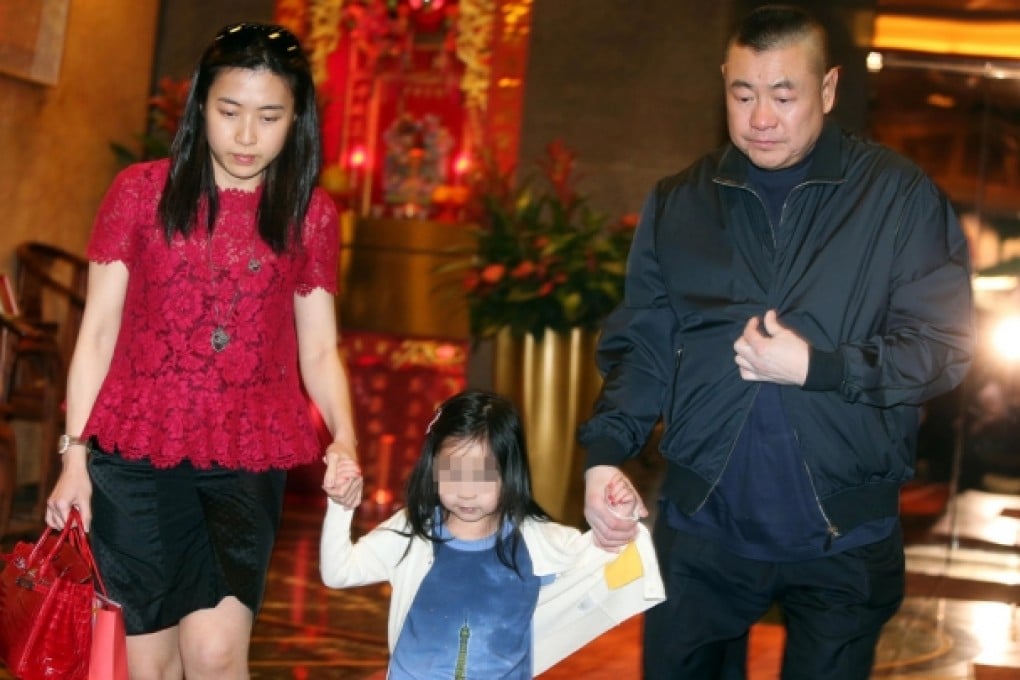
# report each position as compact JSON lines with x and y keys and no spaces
{"x":8,"y":475}
{"x":50,"y":286}
{"x":32,"y":391}
{"x":35,"y":349}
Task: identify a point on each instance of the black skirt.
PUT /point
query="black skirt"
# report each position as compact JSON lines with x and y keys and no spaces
{"x":169,"y":542}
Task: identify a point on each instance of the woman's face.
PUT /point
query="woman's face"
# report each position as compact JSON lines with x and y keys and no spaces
{"x":468,"y":480}
{"x":248,"y":115}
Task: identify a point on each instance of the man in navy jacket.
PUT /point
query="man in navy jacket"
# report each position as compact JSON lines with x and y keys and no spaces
{"x":792,"y":299}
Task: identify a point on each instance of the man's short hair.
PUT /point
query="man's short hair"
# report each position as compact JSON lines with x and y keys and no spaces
{"x":772,"y":26}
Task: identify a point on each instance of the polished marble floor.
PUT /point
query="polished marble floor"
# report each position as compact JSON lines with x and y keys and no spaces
{"x":307,"y":631}
{"x":959,"y":621}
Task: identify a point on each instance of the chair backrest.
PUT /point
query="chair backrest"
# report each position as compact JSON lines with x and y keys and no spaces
{"x":50,"y":286}
{"x":17,"y":340}
{"x":33,"y":389}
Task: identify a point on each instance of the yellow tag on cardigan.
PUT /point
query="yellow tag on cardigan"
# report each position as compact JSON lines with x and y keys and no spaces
{"x":625,"y":568}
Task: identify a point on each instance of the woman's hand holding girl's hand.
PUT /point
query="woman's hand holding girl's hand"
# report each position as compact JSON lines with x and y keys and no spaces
{"x":342,"y":482}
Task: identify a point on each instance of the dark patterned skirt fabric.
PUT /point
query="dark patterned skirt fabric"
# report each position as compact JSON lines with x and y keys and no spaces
{"x":169,"y":542}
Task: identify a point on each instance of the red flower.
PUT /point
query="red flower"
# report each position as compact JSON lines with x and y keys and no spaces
{"x":542,"y":258}
{"x":493,"y":273}
{"x":558,"y":166}
{"x":169,"y":103}
{"x":524,"y":270}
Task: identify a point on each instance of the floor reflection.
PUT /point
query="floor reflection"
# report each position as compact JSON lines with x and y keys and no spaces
{"x":306,"y":630}
{"x":957,"y":614}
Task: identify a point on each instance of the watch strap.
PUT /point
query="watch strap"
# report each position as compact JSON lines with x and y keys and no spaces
{"x":66,"y":441}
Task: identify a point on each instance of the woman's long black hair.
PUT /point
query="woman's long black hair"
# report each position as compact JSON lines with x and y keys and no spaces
{"x":476,"y":416}
{"x":289,"y":179}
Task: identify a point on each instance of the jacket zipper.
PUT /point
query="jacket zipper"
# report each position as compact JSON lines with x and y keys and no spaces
{"x":678,"y":359}
{"x":832,"y":531}
{"x":748,"y":189}
{"x":743,"y":421}
{"x":733,"y":445}
{"x":786,"y":202}
{"x":757,"y":387}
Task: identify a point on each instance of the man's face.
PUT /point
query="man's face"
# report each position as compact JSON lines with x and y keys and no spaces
{"x":776,"y":102}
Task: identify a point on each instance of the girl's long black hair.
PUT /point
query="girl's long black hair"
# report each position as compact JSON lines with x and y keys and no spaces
{"x":289,"y":179}
{"x":476,"y":416}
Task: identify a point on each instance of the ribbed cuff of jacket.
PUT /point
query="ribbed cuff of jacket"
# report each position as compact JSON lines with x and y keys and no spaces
{"x":603,"y":451}
{"x":825,"y":371}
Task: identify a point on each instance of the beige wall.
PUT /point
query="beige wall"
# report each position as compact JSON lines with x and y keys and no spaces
{"x":55,"y":161}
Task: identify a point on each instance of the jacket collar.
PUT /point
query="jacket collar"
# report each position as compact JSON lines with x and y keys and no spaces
{"x":827,"y":165}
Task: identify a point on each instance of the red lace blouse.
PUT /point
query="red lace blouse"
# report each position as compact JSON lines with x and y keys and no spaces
{"x":169,"y":395}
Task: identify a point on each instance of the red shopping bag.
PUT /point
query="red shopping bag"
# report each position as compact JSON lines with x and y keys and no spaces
{"x":108,"y":658}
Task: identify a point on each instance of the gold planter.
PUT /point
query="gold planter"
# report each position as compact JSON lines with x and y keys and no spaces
{"x":554,"y":383}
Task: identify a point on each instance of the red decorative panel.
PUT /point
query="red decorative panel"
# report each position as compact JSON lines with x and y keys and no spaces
{"x":411,"y":91}
{"x":396,"y":384}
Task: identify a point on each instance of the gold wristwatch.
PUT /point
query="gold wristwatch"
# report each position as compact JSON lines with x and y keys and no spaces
{"x":66,"y":441}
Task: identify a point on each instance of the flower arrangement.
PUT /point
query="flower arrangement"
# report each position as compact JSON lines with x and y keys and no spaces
{"x":542,"y":258}
{"x":165,"y":110}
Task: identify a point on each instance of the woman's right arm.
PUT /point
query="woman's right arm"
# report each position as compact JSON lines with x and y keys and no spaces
{"x":90,"y":362}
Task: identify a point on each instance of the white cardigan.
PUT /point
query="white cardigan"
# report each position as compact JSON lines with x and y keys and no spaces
{"x":574,"y":609}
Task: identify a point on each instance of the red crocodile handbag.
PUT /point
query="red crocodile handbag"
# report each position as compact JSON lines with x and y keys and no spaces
{"x":47,"y":594}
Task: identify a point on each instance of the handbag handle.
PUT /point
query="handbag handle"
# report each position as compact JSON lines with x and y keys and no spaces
{"x":73,"y":523}
{"x":73,"y":533}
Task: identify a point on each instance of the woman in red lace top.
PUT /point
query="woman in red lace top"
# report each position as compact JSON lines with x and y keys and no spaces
{"x":209,"y":316}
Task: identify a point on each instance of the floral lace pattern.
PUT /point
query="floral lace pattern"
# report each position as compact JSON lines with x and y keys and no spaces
{"x":169,"y":395}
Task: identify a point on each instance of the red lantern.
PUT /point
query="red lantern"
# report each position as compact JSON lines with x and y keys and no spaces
{"x":427,"y":15}
{"x":427,"y":5}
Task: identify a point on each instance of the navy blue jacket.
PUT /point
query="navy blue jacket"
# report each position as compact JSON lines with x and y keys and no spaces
{"x":874,"y":275}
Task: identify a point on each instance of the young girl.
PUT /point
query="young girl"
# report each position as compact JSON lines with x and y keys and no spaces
{"x":484,"y":584}
{"x":210,"y":302}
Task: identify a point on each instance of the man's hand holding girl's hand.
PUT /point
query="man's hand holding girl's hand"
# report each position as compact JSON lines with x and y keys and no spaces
{"x":612,"y":507}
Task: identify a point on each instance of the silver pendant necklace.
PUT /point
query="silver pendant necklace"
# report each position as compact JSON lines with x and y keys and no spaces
{"x":220,"y":338}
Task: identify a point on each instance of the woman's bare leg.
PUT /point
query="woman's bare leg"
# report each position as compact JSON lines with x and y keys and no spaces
{"x":214,"y":642}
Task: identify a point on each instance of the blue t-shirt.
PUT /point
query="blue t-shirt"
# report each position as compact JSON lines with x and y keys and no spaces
{"x":471,"y":617}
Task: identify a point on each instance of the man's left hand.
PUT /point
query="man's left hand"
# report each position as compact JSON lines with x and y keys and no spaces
{"x":768,"y":351}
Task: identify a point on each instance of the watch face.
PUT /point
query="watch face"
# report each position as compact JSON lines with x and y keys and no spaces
{"x":64,"y":443}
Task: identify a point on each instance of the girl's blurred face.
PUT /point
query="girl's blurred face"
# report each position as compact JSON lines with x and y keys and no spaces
{"x":469,"y":484}
{"x":248,"y":115}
